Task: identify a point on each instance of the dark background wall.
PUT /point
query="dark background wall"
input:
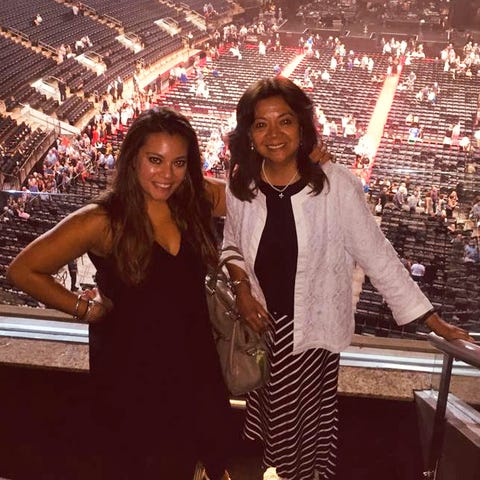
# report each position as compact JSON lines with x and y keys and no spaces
{"x":46,"y":433}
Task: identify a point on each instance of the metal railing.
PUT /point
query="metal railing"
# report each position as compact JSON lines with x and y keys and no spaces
{"x":460,"y":350}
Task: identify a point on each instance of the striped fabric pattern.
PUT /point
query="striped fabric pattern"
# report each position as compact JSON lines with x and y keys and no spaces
{"x":295,"y":414}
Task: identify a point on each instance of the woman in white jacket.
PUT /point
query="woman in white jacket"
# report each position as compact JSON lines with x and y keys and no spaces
{"x":300,"y":227}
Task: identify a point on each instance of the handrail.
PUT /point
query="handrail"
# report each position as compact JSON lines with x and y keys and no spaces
{"x":134,"y":37}
{"x":87,"y":8}
{"x":466,"y":352}
{"x":113,"y":20}
{"x":94,"y":56}
{"x":26,"y":322}
{"x":47,"y":47}
{"x":460,"y":349}
{"x":18,"y":33}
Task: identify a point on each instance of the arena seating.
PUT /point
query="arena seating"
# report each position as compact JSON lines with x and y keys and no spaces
{"x":454,"y":287}
{"x":138,"y":18}
{"x":234,"y":77}
{"x":224,"y":90}
{"x":426,"y":162}
{"x":58,"y":26}
{"x":219,"y":6}
{"x":348,"y":91}
{"x":21,"y":65}
{"x":73,"y":109}
{"x":45,"y":210}
{"x":455,"y":102}
{"x":17,"y":142}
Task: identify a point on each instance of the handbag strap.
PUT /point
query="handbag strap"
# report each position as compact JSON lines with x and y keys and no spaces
{"x":235,"y":255}
{"x":212,"y":279}
{"x":239,"y":332}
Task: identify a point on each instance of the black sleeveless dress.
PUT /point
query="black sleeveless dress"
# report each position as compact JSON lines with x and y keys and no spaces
{"x":158,"y":390}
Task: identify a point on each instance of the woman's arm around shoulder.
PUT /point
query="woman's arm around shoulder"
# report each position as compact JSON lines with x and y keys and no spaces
{"x":32,"y":270}
{"x":215,"y":188}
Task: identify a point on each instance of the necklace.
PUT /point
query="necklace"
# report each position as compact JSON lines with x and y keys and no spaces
{"x":279,"y":190}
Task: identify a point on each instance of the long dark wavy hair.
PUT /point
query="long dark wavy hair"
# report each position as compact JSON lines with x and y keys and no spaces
{"x":132,"y":231}
{"x":245,"y":167}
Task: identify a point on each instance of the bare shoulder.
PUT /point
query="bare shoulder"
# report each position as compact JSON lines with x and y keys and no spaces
{"x":90,"y":225}
{"x":91,"y":215}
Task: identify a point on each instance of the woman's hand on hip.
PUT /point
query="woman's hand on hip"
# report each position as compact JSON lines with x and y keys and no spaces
{"x":101,"y":304}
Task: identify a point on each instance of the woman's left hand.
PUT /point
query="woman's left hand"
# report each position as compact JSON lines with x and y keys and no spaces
{"x":102,"y":303}
{"x":446,"y":330}
{"x":320,"y":154}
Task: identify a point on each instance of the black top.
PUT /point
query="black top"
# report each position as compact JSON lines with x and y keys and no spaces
{"x":276,"y":262}
{"x":153,"y":358}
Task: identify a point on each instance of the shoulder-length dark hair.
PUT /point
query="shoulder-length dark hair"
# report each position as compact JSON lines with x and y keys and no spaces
{"x":246,"y":163}
{"x":132,"y":231}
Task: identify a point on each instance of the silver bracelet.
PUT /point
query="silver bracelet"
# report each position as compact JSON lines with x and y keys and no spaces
{"x":236,"y":283}
{"x":76,"y":315}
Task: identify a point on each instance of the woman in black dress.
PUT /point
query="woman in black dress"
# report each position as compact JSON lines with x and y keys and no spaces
{"x":159,"y":399}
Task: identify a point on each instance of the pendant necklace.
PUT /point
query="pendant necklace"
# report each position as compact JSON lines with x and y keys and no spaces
{"x":279,"y":190}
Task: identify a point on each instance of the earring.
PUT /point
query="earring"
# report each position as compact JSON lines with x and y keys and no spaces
{"x":252,"y":148}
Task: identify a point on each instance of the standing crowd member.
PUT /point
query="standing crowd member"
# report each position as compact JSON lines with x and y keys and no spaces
{"x":158,"y":391}
{"x":475,"y":212}
{"x":452,"y":202}
{"x":300,"y":228}
{"x":417,"y":270}
{"x":72,"y":271}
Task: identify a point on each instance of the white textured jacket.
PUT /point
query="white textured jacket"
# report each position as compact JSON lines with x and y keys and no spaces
{"x":334,"y":230}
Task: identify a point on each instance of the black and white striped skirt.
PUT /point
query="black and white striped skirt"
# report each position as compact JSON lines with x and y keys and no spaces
{"x":295,"y":414}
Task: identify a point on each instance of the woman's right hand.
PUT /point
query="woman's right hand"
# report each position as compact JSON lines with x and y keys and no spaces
{"x":320,"y":154}
{"x":252,"y":311}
